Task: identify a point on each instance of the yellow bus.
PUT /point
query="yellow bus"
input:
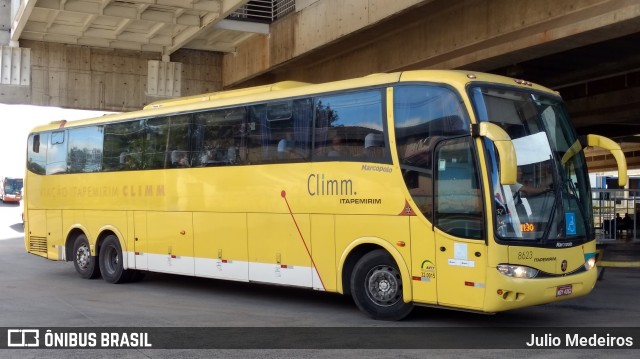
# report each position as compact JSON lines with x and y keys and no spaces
{"x":439,"y":188}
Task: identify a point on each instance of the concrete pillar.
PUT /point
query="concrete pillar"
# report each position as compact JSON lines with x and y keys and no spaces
{"x":88,"y":78}
{"x":5,"y":22}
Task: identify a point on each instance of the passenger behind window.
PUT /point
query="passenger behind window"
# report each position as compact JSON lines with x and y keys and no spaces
{"x":337,"y":148}
{"x":208,"y":154}
{"x":232,"y":154}
{"x":285,"y":147}
{"x":123,"y":158}
{"x":282,"y":149}
{"x":179,"y":158}
{"x":374,"y":145}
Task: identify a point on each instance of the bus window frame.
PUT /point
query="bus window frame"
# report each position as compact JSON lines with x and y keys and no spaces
{"x":479,"y":177}
{"x":438,"y":138}
{"x":386,"y":159}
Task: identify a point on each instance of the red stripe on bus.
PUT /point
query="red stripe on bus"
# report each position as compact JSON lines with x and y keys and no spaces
{"x":283,"y":194}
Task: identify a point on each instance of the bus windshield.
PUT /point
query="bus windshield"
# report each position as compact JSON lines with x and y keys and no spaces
{"x":13,"y":185}
{"x":550,"y":201}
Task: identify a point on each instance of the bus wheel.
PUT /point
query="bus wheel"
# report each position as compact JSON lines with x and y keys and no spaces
{"x":376,"y":287}
{"x":110,"y":259}
{"x":83,"y":261}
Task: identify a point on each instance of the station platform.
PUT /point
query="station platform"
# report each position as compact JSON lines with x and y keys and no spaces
{"x":617,"y":254}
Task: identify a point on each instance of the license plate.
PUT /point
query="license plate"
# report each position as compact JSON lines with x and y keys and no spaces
{"x":563,"y":290}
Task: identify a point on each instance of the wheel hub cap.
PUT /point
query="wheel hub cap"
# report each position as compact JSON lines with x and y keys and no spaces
{"x":383,"y":286}
{"x":82,"y":257}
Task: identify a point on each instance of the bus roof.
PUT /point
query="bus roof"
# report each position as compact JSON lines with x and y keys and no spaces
{"x":225,"y":94}
{"x":292,"y":89}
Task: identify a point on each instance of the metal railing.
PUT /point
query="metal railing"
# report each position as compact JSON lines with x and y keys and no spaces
{"x":265,"y":11}
{"x":616,"y":214}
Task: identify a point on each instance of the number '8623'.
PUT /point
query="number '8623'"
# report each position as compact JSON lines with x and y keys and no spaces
{"x":525,"y":255}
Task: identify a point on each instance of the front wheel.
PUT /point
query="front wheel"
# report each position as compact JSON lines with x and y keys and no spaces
{"x":376,"y":286}
{"x":83,"y":261}
{"x":110,"y":259}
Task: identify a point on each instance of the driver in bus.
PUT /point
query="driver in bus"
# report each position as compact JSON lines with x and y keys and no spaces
{"x":523,"y":186}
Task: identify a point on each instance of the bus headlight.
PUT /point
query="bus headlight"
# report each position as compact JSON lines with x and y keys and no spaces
{"x":517,"y":271}
{"x":590,"y":263}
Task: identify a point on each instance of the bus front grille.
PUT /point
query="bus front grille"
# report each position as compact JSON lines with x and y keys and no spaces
{"x":38,"y":245}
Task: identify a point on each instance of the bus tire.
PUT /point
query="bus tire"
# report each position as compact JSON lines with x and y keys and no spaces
{"x":376,"y":287}
{"x":85,"y":264}
{"x":111,"y":259}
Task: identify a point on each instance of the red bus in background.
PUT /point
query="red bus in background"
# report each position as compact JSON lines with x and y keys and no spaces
{"x":11,"y":189}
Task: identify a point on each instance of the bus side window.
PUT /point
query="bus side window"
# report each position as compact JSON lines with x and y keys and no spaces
{"x":257,"y":137}
{"x":156,"y":155}
{"x":302,"y":118}
{"x":57,"y":154}
{"x":219,"y":137}
{"x":458,"y":197}
{"x":420,"y":185}
{"x":279,"y":132}
{"x":293,"y":129}
{"x":179,"y":140}
{"x":37,"y":154}
{"x":85,"y":149}
{"x":350,"y":127}
{"x":424,"y":114}
{"x":123,"y":145}
{"x":36,"y":144}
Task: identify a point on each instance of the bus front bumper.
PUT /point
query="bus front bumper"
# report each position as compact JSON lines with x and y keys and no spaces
{"x":505,"y":293}
{"x":12,"y":198}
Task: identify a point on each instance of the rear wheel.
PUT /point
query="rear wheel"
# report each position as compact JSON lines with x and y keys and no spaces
{"x":376,"y":287}
{"x":83,"y":261}
{"x":110,"y":259}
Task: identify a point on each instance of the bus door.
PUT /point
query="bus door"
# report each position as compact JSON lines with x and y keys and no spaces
{"x":461,"y":252}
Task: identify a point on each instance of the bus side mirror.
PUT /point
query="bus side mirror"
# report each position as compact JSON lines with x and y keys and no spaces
{"x":602,"y":142}
{"x":506,"y":151}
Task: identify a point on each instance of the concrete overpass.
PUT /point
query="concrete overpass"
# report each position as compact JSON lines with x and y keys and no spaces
{"x":120,"y":55}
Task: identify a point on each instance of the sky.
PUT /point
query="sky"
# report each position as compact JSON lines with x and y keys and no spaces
{"x":15,"y":123}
